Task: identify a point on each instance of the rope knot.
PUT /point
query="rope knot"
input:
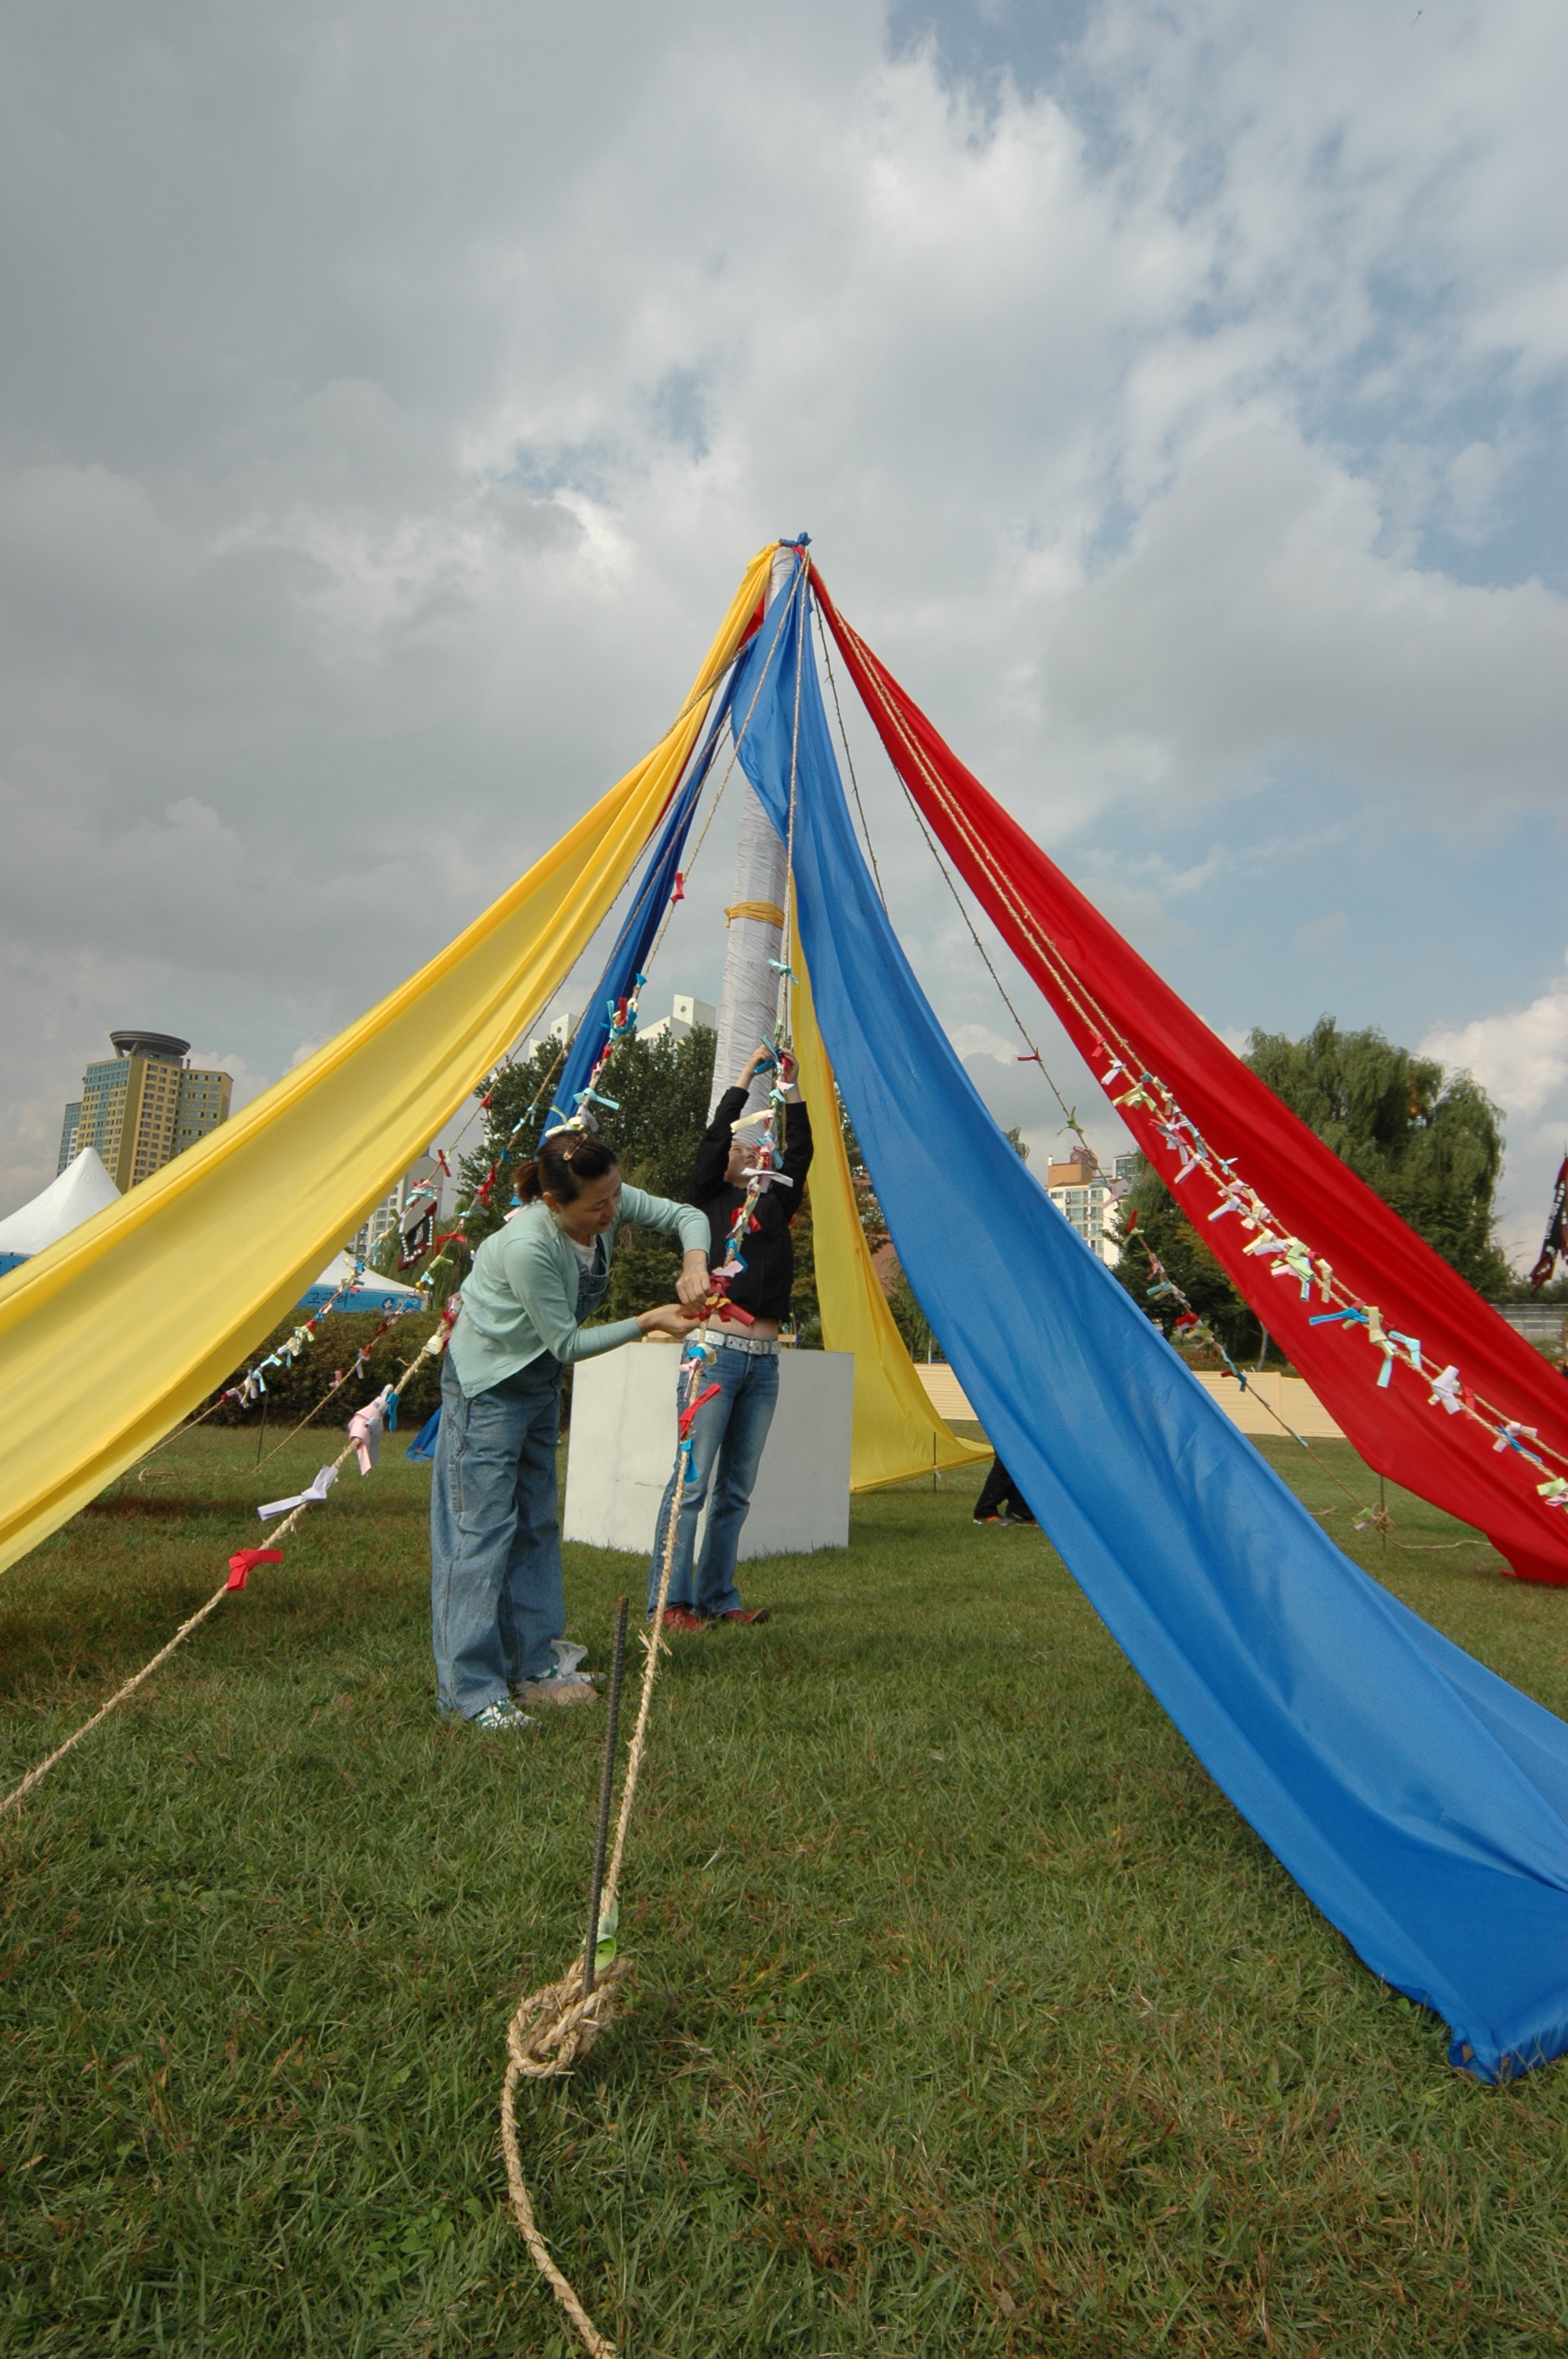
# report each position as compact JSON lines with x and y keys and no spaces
{"x":557,"y":2025}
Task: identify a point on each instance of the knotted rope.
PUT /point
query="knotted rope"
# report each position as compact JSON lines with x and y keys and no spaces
{"x":554,"y":2026}
{"x":548,"y":2034}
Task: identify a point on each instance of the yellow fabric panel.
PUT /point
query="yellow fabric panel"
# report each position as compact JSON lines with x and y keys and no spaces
{"x":112,"y":1335}
{"x":898,"y":1434}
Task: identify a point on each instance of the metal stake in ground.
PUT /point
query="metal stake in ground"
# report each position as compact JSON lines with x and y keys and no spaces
{"x":606,"y":1788}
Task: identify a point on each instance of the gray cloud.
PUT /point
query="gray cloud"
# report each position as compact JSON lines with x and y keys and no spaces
{"x":1258,"y":617}
{"x":389,"y":400}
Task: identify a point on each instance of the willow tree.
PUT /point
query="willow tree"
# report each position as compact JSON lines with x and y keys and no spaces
{"x":1426,"y":1140}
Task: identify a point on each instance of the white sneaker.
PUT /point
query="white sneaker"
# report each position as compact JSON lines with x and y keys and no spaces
{"x":503,"y":1717}
{"x":556,"y":1686}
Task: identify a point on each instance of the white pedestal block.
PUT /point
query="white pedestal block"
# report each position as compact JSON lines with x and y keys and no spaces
{"x":623,"y":1444}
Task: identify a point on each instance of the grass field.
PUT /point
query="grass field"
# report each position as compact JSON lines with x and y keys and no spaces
{"x":968,"y":2016}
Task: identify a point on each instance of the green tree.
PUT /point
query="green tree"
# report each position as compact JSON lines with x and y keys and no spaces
{"x":1425,"y":1140}
{"x":914,"y":1328}
{"x":1428,"y":1142}
{"x":1164,"y":1229}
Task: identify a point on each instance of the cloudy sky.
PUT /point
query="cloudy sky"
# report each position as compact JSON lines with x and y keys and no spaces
{"x":390,"y":396}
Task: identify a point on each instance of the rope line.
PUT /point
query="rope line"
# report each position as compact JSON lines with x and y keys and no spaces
{"x":783,"y":1035}
{"x":480,"y":1191}
{"x":848,"y":757}
{"x":36,"y":1776}
{"x":484,"y":1089}
{"x":189,"y":1425}
{"x":1096,"y":1018}
{"x":1069,"y":1113}
{"x":737,"y":739}
{"x":555,"y":2025}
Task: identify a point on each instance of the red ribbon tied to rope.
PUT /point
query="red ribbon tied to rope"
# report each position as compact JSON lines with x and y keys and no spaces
{"x":719,"y":1305}
{"x":688,"y":1415}
{"x":242,"y":1562}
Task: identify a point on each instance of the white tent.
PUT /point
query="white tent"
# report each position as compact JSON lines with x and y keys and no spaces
{"x":82,"y":1189}
{"x":372,"y":1293}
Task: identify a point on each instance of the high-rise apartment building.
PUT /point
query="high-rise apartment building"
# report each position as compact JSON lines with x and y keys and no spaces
{"x":1082,"y":1193}
{"x":143,"y":1106}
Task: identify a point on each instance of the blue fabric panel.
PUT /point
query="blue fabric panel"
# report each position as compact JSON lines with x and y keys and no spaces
{"x":423,"y":1445}
{"x":1419,"y":1799}
{"x":648,"y":906}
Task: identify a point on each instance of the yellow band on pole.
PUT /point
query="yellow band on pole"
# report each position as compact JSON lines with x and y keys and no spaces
{"x":768,"y":912}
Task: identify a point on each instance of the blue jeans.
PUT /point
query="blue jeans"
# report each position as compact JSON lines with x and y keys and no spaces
{"x":728,"y":1432}
{"x":497,"y":1595}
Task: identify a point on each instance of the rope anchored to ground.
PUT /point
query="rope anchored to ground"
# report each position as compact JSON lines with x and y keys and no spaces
{"x":240,"y":1567}
{"x":555,"y":2027}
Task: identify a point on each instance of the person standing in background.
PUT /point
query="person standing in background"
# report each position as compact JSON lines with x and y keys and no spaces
{"x":729,"y":1431}
{"x":1000,"y":1500}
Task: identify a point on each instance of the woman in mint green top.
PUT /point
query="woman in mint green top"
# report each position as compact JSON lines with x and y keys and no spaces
{"x":497,"y":1595}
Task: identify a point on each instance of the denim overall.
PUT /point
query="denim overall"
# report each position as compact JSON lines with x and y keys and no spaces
{"x":497,"y":1595}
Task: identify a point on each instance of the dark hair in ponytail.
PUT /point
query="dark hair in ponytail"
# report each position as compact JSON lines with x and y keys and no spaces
{"x":562,"y":1164}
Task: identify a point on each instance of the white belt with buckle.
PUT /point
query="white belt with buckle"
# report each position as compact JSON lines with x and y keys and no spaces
{"x":763,"y":1344}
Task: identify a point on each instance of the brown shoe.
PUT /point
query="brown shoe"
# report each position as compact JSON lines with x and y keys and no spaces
{"x":740,"y":1614}
{"x":681,"y":1617}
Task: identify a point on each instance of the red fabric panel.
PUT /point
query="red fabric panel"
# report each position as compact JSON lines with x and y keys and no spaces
{"x":1115,"y":1006}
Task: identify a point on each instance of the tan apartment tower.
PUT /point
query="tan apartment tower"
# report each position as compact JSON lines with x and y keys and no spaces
{"x":143,"y":1106}
{"x":1081,"y":1191}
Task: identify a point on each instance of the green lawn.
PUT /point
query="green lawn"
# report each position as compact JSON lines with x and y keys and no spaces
{"x":968,"y":2016}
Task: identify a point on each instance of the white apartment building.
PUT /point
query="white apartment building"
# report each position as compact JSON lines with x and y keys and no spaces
{"x":1078,"y":1190}
{"x":686,"y":1014}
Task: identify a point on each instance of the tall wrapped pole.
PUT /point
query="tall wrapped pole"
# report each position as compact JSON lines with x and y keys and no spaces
{"x":748,"y":1002}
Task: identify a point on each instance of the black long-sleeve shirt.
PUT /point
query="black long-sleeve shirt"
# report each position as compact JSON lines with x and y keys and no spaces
{"x":764,"y":1287}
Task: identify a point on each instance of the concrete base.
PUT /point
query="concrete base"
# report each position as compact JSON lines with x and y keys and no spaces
{"x":623,"y":1444}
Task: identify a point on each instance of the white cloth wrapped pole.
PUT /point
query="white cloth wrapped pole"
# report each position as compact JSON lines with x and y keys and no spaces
{"x":748,"y":1003}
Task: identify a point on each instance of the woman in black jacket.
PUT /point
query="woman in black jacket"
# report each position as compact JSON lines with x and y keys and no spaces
{"x":729,"y":1431}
